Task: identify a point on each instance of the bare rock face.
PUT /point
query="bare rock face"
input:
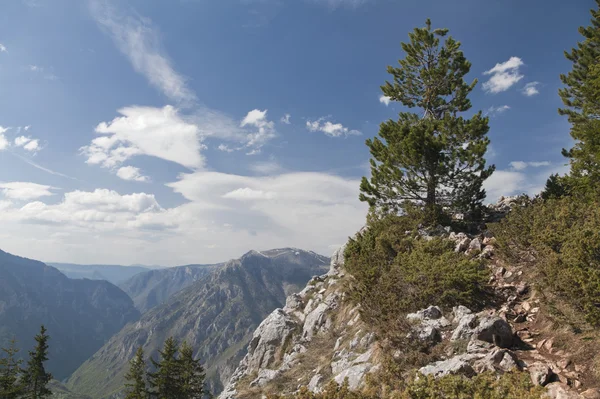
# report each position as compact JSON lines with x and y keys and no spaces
{"x":455,"y":365}
{"x":309,"y":327}
{"x":269,"y":336}
{"x":540,"y":373}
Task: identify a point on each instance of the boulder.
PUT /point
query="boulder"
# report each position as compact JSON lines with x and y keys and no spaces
{"x":540,"y":373}
{"x":431,"y":313}
{"x":592,"y":393}
{"x":556,"y":390}
{"x":497,"y":360}
{"x":315,"y":383}
{"x":456,"y":365}
{"x":355,"y":374}
{"x":464,"y":329}
{"x":475,"y":245}
{"x":264,"y":376}
{"x":459,"y":311}
{"x":462,"y":245}
{"x":495,"y":330}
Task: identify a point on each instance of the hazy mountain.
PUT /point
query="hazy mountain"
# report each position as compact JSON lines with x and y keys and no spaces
{"x":114,"y":273}
{"x":217,"y":315}
{"x":154,"y":287}
{"x":80,"y":315}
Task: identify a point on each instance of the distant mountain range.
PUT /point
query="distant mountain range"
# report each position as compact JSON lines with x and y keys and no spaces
{"x":217,"y":314}
{"x":153,"y":287}
{"x":80,"y":315}
{"x":116,"y":274}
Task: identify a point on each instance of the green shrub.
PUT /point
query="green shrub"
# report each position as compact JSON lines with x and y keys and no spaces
{"x":564,"y":237}
{"x":396,"y":273}
{"x":483,"y":386}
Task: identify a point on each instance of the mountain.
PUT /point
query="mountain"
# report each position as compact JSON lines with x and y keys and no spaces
{"x":114,"y":273}
{"x":80,"y":315}
{"x":153,"y":287}
{"x":216,"y":315}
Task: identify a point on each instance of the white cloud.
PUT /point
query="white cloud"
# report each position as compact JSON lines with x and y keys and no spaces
{"x":157,"y":132}
{"x":3,"y":48}
{"x":493,"y":110}
{"x":21,"y":141}
{"x":234,"y":213}
{"x":286,"y":119}
{"x":504,"y":75}
{"x":248,"y":194}
{"x":25,"y":191}
{"x":26,"y":128}
{"x":385,"y":100}
{"x":138,"y":40}
{"x":32,"y":146}
{"x":131,"y":173}
{"x":225,"y":148}
{"x":266,"y":128}
{"x":4,"y":144}
{"x":265,"y":168}
{"x":521,"y":165}
{"x":330,"y":129}
{"x":531,"y":89}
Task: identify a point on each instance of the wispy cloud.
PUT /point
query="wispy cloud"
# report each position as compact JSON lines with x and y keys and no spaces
{"x":330,"y":129}
{"x":385,"y":100}
{"x":497,"y":110}
{"x":522,"y":165}
{"x":43,"y":72}
{"x":4,"y":143}
{"x":40,"y":167}
{"x":286,"y":119}
{"x":3,"y":48}
{"x":139,"y":41}
{"x":531,"y":89}
{"x":25,"y":191}
{"x":503,"y":75}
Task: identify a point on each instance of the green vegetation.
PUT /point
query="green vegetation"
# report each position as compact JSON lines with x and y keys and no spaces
{"x":30,"y":382}
{"x":434,"y":157}
{"x":178,"y":374}
{"x":396,"y":273}
{"x":581,"y":96}
{"x":516,"y":385}
{"x":564,"y":237}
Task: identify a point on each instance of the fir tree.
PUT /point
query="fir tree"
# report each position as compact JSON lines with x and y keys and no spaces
{"x":165,"y":382}
{"x":136,"y":377}
{"x":10,"y":368}
{"x":581,"y":97}
{"x":35,"y":377}
{"x":434,"y":158}
{"x":192,"y":374}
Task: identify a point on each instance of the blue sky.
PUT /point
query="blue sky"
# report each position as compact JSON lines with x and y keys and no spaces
{"x":171,"y":132}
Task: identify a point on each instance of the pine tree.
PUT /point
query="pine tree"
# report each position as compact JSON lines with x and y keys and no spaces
{"x":35,"y":377}
{"x":165,"y":382}
{"x":192,"y":374}
{"x":10,"y":368}
{"x":434,"y":158}
{"x":136,"y":377}
{"x":581,"y":97}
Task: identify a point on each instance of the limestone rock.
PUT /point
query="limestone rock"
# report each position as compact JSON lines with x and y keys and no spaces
{"x":495,"y":330}
{"x":592,"y":393}
{"x":315,"y":383}
{"x":540,"y":373}
{"x":455,"y":365}
{"x":464,"y":329}
{"x":269,"y":335}
{"x":556,"y":390}
{"x":314,"y":320}
{"x":355,"y":374}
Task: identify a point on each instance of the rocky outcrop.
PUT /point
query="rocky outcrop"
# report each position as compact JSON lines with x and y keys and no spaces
{"x":316,"y":337}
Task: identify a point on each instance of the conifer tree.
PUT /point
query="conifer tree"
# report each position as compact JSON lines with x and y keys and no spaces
{"x":581,"y":97}
{"x":434,"y":158}
{"x":165,"y":382}
{"x":10,"y":369}
{"x":35,"y":377}
{"x":192,"y":374}
{"x":136,"y":377}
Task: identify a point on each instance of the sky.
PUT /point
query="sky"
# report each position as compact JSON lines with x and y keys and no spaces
{"x":169,"y":132}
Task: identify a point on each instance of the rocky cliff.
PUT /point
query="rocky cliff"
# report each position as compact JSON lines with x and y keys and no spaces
{"x":319,"y":335}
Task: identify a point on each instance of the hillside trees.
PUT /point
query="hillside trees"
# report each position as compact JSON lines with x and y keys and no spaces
{"x":10,"y":370}
{"x":434,"y":158}
{"x":581,"y":97}
{"x":177,"y":374}
{"x":35,"y":378}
